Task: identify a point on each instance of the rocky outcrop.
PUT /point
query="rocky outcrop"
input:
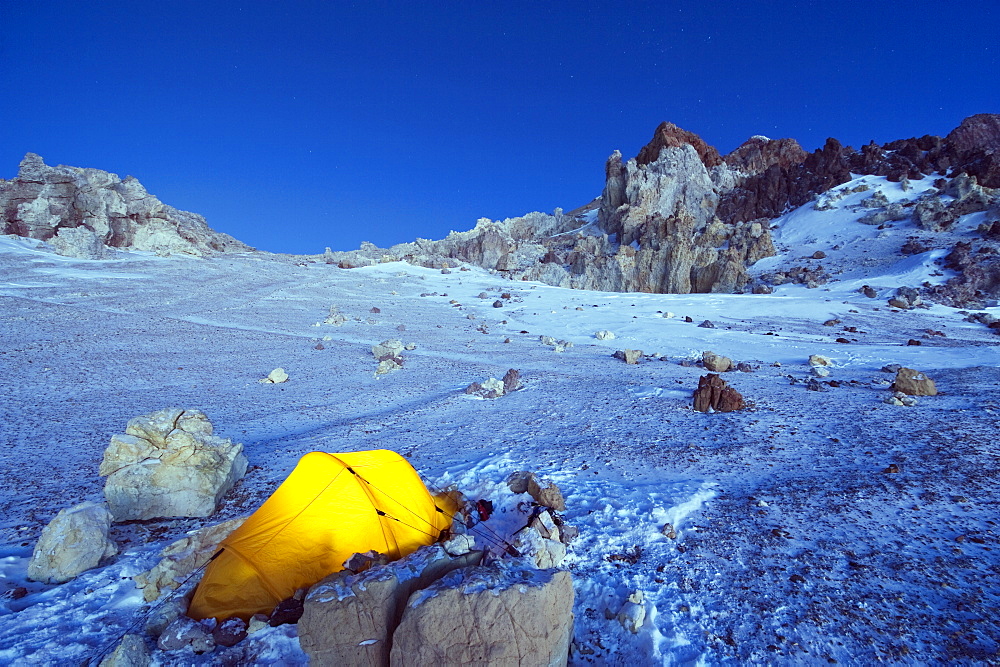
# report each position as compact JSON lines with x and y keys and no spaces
{"x":168,"y":464}
{"x":485,"y":616}
{"x":74,"y":541}
{"x":680,"y":218}
{"x":977,"y":265}
{"x":45,"y":203}
{"x":714,"y":395}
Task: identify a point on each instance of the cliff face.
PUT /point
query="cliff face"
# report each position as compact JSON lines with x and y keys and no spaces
{"x":82,"y":212}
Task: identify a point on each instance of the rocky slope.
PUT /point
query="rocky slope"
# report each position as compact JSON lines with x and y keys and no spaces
{"x":680,"y":218}
{"x":83,"y":212}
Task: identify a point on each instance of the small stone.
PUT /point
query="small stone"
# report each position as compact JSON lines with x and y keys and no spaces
{"x":668,"y":531}
{"x":230,"y":632}
{"x":819,"y":254}
{"x":286,"y":611}
{"x":484,"y":295}
{"x":842,"y":340}
{"x":820,"y":371}
{"x":546,"y":493}
{"x":913,"y":341}
{"x":629,"y":356}
{"x":831,"y":323}
{"x":518,"y":481}
{"x":498,"y":304}
{"x":899,"y":303}
{"x":707,"y":324}
{"x":688,"y":318}
{"x":819,"y":360}
{"x":375,"y":310}
{"x":815,"y":385}
{"x":869,"y":292}
{"x":506,"y":340}
{"x":319,"y":346}
{"x":257,"y":622}
{"x":891,"y":368}
{"x":604,"y":334}
{"x":277,"y":376}
{"x":668,"y":315}
{"x":744,"y":367}
{"x":892,"y":469}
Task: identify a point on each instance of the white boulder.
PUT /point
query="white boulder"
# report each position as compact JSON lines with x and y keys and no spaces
{"x":74,"y":541}
{"x":168,"y":464}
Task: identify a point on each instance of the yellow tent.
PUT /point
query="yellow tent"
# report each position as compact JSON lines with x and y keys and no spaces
{"x":329,"y":507}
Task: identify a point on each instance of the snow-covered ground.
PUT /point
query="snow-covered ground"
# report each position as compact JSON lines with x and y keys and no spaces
{"x":792,"y":544}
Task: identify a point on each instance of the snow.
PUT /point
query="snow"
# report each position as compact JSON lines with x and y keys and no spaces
{"x":791,"y":545}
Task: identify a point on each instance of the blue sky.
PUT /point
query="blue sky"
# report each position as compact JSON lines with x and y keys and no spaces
{"x":299,"y":125}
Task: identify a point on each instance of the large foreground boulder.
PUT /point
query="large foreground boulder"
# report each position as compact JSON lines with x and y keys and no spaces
{"x":349,"y":619}
{"x":485,"y":615}
{"x":74,"y":541}
{"x":714,"y":395}
{"x":168,"y":464}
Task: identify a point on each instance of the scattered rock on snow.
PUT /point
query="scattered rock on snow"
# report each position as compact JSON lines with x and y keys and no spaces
{"x":714,"y":395}
{"x":336,"y":318}
{"x":604,"y":334}
{"x":168,"y":464}
{"x":899,"y":398}
{"x":557,"y":345}
{"x":491,"y":388}
{"x":707,"y":324}
{"x":819,"y":360}
{"x":914,"y":383}
{"x":485,"y":614}
{"x":633,"y":612}
{"x":74,"y":541}
{"x":716,"y":362}
{"x":277,"y":376}
{"x":628,"y":356}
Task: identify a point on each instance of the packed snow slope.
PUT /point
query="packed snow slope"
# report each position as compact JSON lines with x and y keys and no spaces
{"x":793,"y":543}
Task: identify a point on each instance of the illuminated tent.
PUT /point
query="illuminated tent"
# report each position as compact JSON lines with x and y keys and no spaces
{"x":329,"y":507}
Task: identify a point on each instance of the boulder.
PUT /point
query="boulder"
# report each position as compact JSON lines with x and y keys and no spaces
{"x":518,"y":481}
{"x":79,"y":242}
{"x":714,"y":395}
{"x":183,"y":557}
{"x":484,"y":616}
{"x":130,"y":652}
{"x":168,"y":464}
{"x":629,"y":356}
{"x":819,"y":360}
{"x":716,"y":362}
{"x":511,"y":380}
{"x":74,"y":541}
{"x":230,"y":632}
{"x":350,"y":620}
{"x":913,"y":383}
{"x":388,"y":349}
{"x":546,"y":493}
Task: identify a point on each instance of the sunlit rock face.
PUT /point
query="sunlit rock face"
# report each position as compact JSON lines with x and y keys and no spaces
{"x":44,"y":202}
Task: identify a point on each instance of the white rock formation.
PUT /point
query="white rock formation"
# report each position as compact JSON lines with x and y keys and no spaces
{"x":45,"y":202}
{"x":74,"y":541}
{"x":168,"y":464}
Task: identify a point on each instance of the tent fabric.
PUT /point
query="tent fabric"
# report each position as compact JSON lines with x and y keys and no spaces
{"x":319,"y":516}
